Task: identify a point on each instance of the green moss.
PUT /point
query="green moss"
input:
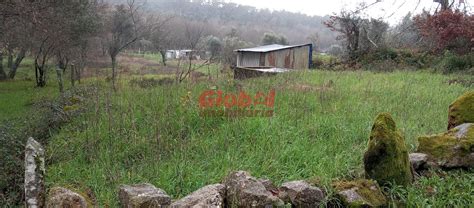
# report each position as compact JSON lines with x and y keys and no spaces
{"x":68,"y":108}
{"x":75,"y":99}
{"x":369,"y":191}
{"x":449,"y":149}
{"x":386,"y":159}
{"x":462,"y":110}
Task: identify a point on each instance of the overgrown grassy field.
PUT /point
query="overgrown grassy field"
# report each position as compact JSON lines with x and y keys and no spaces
{"x":25,"y":111}
{"x":319,"y":132}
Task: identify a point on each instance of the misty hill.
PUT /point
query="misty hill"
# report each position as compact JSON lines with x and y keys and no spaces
{"x":251,"y":23}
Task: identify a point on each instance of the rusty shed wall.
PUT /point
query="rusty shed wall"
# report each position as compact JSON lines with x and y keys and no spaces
{"x":293,"y":58}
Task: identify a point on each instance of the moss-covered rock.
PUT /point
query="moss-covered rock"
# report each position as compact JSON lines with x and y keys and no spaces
{"x":386,"y":159}
{"x":61,"y":197}
{"x":452,"y":149}
{"x":461,"y":111}
{"x":360,"y":193}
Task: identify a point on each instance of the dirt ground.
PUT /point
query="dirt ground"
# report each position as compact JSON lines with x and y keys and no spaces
{"x":127,"y":65}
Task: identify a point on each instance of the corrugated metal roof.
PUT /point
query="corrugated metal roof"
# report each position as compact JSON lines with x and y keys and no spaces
{"x":268,"y":48}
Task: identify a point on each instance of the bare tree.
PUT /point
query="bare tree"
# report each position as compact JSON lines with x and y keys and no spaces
{"x":3,"y":75}
{"x":14,"y":35}
{"x":194,"y":32}
{"x":450,"y":4}
{"x":161,"y":36}
{"x":124,"y":30}
{"x":348,"y":25}
{"x":229,"y":44}
{"x":359,"y":35}
{"x":314,"y":39}
{"x":17,"y":43}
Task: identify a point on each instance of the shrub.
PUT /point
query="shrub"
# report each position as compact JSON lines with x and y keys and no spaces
{"x":381,"y":54}
{"x":317,"y":62}
{"x":385,"y":54}
{"x":454,"y":63}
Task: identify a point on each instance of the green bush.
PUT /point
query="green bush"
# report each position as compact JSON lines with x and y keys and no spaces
{"x":381,"y":54}
{"x":386,"y":54}
{"x":317,"y":62}
{"x":452,"y":62}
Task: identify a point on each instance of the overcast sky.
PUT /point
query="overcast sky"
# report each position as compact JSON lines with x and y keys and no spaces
{"x":392,"y":10}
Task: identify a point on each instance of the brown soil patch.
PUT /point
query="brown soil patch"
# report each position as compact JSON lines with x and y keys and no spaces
{"x":127,"y":65}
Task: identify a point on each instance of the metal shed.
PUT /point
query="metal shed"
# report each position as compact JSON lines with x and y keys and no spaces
{"x":279,"y":56}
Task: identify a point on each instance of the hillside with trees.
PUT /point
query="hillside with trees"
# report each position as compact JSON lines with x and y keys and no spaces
{"x":247,"y":22}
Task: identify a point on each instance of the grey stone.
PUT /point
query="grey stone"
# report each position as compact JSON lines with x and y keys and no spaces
{"x":212,"y":196}
{"x":34,"y":174}
{"x":462,"y":130}
{"x":351,"y":196}
{"x":243,"y":190}
{"x":418,"y":161}
{"x":268,"y":185}
{"x":61,"y":197}
{"x":301,"y":194}
{"x":143,"y":196}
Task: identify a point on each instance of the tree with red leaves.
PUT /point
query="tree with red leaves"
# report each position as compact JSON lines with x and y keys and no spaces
{"x":447,"y":30}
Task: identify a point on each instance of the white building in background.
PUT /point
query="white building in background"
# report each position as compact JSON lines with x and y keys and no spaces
{"x":184,"y":54}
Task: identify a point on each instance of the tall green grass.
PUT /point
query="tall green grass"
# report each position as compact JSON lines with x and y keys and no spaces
{"x":156,"y":135}
{"x":18,"y":96}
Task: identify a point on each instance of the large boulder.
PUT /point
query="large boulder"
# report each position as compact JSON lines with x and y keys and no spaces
{"x":34,"y":174}
{"x":461,"y":110}
{"x":143,"y":196}
{"x":386,"y":159}
{"x":360,"y":193}
{"x":212,"y":196}
{"x":61,"y":197}
{"x":301,"y":194}
{"x":243,"y":190}
{"x":452,"y":149}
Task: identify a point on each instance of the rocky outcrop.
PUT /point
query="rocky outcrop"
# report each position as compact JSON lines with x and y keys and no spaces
{"x":268,"y":185}
{"x":452,"y":149}
{"x":243,"y":190}
{"x":34,"y":174}
{"x":386,"y":159}
{"x":143,"y":196}
{"x":301,"y":194}
{"x":360,"y":193}
{"x":212,"y":196}
{"x":60,"y":197}
{"x":461,"y":110}
{"x":418,"y":161}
